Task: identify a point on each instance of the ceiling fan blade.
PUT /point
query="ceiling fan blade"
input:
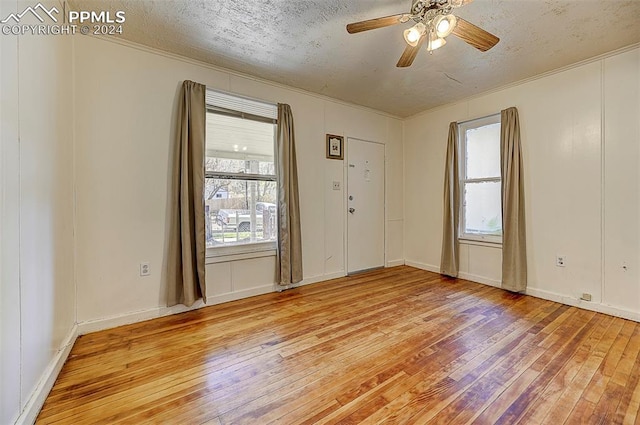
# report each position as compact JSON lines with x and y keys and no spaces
{"x":372,"y":24}
{"x":476,"y":36}
{"x":410,"y":53}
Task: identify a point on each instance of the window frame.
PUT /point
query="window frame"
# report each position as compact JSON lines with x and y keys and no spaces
{"x":242,"y":250}
{"x":482,"y":237}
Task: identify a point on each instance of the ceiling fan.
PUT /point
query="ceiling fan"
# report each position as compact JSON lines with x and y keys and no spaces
{"x":433,"y":22}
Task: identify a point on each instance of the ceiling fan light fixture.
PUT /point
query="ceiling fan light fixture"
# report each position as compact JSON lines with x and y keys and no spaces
{"x":435,"y":42}
{"x":413,"y":34}
{"x":444,"y":24}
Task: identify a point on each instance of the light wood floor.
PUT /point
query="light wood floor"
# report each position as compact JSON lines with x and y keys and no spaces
{"x":399,"y":345}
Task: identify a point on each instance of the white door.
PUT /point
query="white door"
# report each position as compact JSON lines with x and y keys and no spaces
{"x":365,"y":204}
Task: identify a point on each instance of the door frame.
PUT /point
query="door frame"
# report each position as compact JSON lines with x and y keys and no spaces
{"x":345,"y":203}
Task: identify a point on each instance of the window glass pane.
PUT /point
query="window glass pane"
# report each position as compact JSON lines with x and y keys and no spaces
{"x":482,"y":208}
{"x":483,"y":151}
{"x":239,"y":212}
{"x":237,"y":145}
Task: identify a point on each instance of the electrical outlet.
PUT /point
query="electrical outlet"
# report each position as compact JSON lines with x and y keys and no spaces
{"x":561,"y":260}
{"x":336,"y":185}
{"x":145,"y":269}
{"x":586,"y":297}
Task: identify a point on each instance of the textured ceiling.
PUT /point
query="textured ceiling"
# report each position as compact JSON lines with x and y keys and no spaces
{"x":304,"y":44}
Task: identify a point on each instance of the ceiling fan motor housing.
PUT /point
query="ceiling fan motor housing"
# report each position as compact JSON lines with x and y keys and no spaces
{"x":418,"y":6}
{"x":424,"y":10}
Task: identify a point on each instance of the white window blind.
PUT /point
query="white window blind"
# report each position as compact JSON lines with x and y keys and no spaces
{"x":232,"y":102}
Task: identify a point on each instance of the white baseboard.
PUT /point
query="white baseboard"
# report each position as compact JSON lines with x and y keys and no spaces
{"x":322,"y":278}
{"x":575,"y":302}
{"x":238,"y":295}
{"x":336,"y":275}
{"x":461,"y":275}
{"x":48,"y":378}
{"x":480,"y":279}
{"x":545,"y":295}
{"x":101,"y":324}
{"x":96,"y":325}
{"x":313,"y":279}
{"x":422,"y":266}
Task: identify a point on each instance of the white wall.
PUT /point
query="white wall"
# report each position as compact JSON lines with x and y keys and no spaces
{"x":38,"y":292}
{"x":622,"y":180}
{"x":580,"y":136}
{"x":125,"y":111}
{"x":10,"y":403}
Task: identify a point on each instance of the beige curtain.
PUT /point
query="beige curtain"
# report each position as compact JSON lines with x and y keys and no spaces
{"x":514,"y":241}
{"x":449,"y":259}
{"x":187,"y":249}
{"x":289,"y":267}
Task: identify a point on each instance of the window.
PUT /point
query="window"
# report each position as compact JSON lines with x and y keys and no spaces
{"x":480,"y":182}
{"x":240,"y":174}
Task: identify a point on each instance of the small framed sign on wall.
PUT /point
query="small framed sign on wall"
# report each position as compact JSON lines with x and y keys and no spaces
{"x":335,"y":146}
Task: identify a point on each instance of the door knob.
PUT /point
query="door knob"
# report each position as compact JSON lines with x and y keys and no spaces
{"x":352,"y":210}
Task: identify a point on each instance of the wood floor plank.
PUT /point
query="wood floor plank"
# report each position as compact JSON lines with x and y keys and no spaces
{"x":538,"y":410}
{"x":397,"y":345}
{"x":580,"y":414}
{"x":548,"y":371}
{"x":420,"y":397}
{"x":630,"y":403}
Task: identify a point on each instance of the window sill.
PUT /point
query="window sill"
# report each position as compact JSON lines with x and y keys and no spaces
{"x":240,"y":252}
{"x":487,"y":244}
